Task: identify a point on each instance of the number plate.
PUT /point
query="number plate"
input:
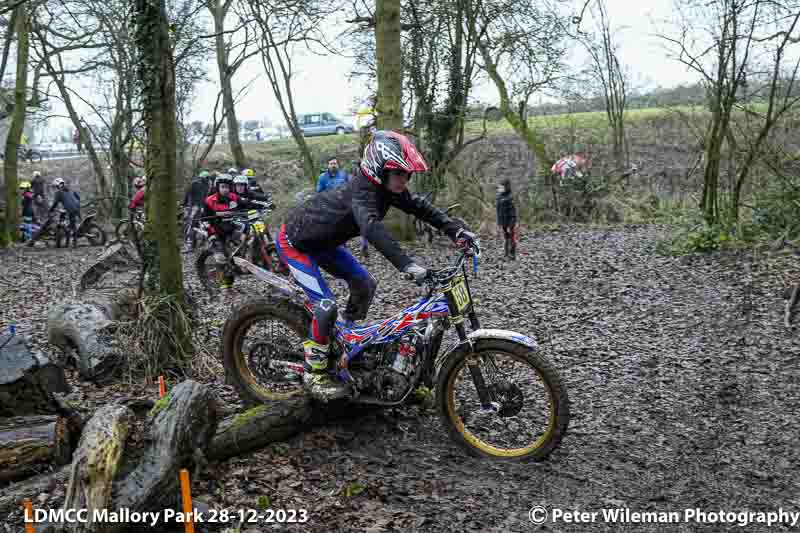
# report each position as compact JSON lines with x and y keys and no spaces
{"x":258,"y":227}
{"x":460,"y":295}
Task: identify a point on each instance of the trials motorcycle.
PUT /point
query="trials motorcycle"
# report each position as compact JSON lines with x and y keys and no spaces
{"x":497,"y":395}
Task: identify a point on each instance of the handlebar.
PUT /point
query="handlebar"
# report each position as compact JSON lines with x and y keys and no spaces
{"x":437,"y":277}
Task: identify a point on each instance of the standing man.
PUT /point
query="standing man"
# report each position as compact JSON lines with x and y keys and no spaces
{"x":507,"y":218}
{"x":333,"y":177}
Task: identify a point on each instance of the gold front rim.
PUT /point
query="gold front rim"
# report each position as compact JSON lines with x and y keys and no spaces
{"x":483,"y":446}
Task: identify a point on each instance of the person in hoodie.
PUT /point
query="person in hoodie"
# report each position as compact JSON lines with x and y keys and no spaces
{"x":507,"y":218}
{"x":71,"y":202}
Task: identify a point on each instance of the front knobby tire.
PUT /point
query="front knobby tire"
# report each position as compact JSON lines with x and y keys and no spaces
{"x":453,"y":420}
{"x":95,"y":235}
{"x":239,"y":371}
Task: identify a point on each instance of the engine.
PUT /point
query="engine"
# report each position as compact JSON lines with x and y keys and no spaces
{"x":385,"y":371}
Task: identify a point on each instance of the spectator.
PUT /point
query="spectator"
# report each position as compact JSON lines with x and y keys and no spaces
{"x":507,"y":219}
{"x":333,"y":177}
{"x":76,"y":138}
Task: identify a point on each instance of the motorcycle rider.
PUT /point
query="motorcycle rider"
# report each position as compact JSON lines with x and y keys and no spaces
{"x":252,"y":183}
{"x":28,"y":216}
{"x":223,"y":202}
{"x":137,"y":202}
{"x":71,"y":201}
{"x":315,"y":232}
{"x":193,"y":203}
{"x":241,"y":187}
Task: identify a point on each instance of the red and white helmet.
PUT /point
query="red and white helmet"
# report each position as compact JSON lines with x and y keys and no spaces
{"x":388,"y":150}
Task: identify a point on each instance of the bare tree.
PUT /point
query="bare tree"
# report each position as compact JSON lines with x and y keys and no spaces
{"x":520,"y":44}
{"x":740,"y":32}
{"x":227,"y":67}
{"x":607,"y":71}
{"x":285,"y":27}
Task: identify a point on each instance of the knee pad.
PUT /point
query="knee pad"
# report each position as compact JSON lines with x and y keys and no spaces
{"x":322,"y":326}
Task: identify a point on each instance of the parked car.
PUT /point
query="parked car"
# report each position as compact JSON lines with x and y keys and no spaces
{"x":322,"y":124}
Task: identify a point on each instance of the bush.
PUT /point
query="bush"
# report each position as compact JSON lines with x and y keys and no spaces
{"x":699,"y":238}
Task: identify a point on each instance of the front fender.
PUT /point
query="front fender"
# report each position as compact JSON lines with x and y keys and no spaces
{"x":486,"y":333}
{"x":503,"y":334}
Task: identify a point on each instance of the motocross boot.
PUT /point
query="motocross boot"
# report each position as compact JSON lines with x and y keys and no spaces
{"x":316,"y":380}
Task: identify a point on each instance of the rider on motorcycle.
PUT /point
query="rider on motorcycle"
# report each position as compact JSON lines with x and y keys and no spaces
{"x":28,"y":216}
{"x":241,"y":187}
{"x":137,"y":202}
{"x":71,"y":201}
{"x":253,"y":185}
{"x":223,"y":201}
{"x":315,"y":232}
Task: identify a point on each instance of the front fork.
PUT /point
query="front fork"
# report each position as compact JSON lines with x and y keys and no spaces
{"x":485,"y":396}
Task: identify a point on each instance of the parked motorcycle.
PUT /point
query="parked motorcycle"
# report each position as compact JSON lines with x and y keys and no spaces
{"x":87,"y":228}
{"x":498,"y":396}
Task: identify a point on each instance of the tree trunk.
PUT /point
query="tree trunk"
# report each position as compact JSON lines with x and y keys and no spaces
{"x":11,"y":220}
{"x":390,"y":67}
{"x":30,"y":443}
{"x":258,"y":427}
{"x":73,"y":115}
{"x":219,"y":12}
{"x":157,"y":70}
{"x":517,"y":121}
{"x":28,"y":380}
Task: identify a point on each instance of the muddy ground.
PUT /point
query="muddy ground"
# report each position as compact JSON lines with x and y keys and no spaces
{"x":684,"y":388}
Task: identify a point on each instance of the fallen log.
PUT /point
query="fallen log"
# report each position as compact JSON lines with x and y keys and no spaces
{"x":117,"y":258}
{"x":87,"y":325}
{"x":96,"y":462}
{"x":11,"y":497}
{"x":102,"y":476}
{"x":87,"y":328}
{"x":27,"y":380}
{"x":184,"y":423}
{"x":259,"y":426}
{"x":29,"y":444}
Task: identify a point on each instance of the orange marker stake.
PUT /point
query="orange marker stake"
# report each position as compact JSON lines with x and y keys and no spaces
{"x":186,"y":493}
{"x":162,"y":387}
{"x":28,"y":506}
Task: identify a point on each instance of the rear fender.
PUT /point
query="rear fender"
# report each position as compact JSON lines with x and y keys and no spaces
{"x":268,"y":277}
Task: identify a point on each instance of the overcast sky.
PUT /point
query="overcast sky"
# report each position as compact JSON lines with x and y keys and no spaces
{"x":322,"y":83}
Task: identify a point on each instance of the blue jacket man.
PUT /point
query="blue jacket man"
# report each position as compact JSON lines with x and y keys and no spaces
{"x":333,"y":177}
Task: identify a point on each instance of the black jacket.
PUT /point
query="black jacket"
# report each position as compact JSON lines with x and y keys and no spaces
{"x":38,"y":186}
{"x":331,"y":218}
{"x":71,"y":201}
{"x":506,"y":211}
{"x":196,"y":193}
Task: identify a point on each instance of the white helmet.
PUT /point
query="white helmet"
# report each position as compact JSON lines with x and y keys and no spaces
{"x":58,"y":182}
{"x":37,"y":174}
{"x":140,"y":181}
{"x":240,"y":179}
{"x":232,"y":171}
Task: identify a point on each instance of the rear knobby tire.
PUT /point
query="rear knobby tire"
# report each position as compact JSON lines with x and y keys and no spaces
{"x":276,"y":307}
{"x":558,"y":396}
{"x":205,"y":258}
